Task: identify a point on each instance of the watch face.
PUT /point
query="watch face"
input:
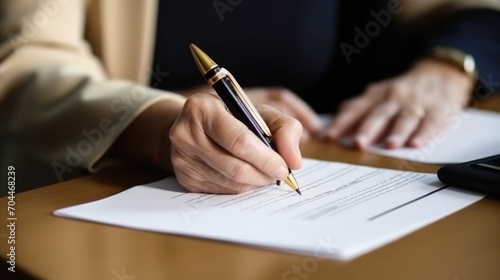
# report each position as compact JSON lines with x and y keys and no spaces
{"x":465,"y":62}
{"x":469,"y":64}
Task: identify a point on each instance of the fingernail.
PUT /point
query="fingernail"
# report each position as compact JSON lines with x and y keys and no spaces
{"x":332,"y":133}
{"x":393,"y":141}
{"x":280,"y":173}
{"x":417,"y":141}
{"x":361,"y":142}
{"x":318,"y":123}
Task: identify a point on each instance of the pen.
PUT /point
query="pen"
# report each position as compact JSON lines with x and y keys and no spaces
{"x":223,"y":82}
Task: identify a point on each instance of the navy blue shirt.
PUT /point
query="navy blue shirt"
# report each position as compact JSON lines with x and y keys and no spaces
{"x":291,"y":45}
{"x":297,"y":44}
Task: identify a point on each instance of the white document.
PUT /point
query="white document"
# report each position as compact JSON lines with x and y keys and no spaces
{"x":345,"y":210}
{"x":474,"y":134}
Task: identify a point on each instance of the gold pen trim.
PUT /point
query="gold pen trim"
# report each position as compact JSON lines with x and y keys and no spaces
{"x":292,"y":182}
{"x":224,"y":73}
{"x":217,"y":77}
{"x":290,"y":179}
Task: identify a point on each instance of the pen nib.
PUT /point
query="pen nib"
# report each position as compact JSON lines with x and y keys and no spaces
{"x":290,"y":181}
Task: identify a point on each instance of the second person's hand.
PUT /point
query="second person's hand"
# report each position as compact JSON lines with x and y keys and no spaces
{"x":408,"y":110}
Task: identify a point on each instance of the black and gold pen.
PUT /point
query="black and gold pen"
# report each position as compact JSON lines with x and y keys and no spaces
{"x":236,"y":101}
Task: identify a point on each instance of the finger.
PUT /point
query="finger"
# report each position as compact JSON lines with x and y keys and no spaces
{"x":347,"y":118}
{"x":222,"y":142}
{"x":352,"y":111}
{"x":380,"y":119}
{"x":404,"y":126}
{"x":195,"y":180}
{"x":306,"y":133}
{"x":291,"y":104}
{"x":374,"y":125}
{"x":223,"y":171}
{"x":237,"y":140}
{"x":286,"y":135}
{"x":250,"y":159}
{"x":431,"y":124}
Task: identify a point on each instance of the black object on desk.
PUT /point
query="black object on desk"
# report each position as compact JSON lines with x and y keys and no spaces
{"x":480,"y":175}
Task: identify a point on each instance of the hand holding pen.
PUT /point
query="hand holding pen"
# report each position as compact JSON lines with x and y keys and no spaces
{"x":237,"y":102}
{"x":214,"y":152}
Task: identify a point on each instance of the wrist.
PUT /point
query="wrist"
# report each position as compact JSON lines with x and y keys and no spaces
{"x":145,"y":141}
{"x":446,"y":78}
{"x":457,"y":59}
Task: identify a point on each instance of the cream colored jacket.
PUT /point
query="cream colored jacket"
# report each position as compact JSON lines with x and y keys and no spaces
{"x":73,"y":74}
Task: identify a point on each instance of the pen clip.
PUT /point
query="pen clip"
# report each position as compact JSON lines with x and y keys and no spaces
{"x":244,"y":98}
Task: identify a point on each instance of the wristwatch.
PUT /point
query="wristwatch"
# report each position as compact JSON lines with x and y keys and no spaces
{"x":455,"y":57}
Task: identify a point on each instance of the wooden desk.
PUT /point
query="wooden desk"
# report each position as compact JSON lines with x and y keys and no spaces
{"x":465,"y":245}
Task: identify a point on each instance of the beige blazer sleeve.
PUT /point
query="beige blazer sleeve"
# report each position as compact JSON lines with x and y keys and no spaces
{"x":55,"y":97}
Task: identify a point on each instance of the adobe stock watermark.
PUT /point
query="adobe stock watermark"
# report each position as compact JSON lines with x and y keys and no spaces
{"x":12,"y":217}
{"x":31,"y":26}
{"x":194,"y":207}
{"x":484,"y":89}
{"x":223,"y":6}
{"x":325,"y":250}
{"x":121,"y":275}
{"x":362,"y":37}
{"x":121,"y":107}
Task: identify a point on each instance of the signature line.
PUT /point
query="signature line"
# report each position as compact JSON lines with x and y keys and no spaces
{"x":405,"y":204}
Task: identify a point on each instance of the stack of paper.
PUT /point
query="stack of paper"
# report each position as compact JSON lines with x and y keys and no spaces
{"x":345,"y":210}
